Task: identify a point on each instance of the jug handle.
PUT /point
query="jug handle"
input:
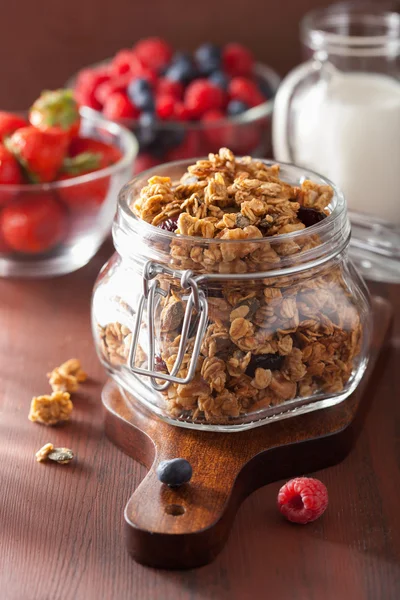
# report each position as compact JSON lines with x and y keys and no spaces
{"x":280,"y":132}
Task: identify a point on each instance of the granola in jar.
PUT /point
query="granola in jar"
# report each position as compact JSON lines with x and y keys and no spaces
{"x":291,"y":330}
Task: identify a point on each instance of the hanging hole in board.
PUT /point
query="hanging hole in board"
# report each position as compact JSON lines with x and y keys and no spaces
{"x":175,"y":510}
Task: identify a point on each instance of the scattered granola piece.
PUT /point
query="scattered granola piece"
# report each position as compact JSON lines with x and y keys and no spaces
{"x":51,"y":410}
{"x":43,"y":453}
{"x":67,"y":376}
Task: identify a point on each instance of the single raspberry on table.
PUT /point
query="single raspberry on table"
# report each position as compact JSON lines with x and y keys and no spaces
{"x":118,"y":106}
{"x":202,"y":96}
{"x":245,"y":90}
{"x":303,"y":499}
{"x":154,"y":52}
{"x":237,"y":60}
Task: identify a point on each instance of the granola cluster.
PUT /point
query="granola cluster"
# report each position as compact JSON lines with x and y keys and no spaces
{"x":235,"y":199}
{"x":267,"y":341}
{"x":51,"y":409}
{"x":67,"y":377}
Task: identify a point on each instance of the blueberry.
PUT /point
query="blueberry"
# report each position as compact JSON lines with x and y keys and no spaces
{"x":146,"y":131}
{"x":208,"y":58}
{"x":264,"y":361}
{"x":174,"y":472}
{"x":220,"y":79}
{"x":310,"y":216}
{"x":236,"y":107}
{"x":141,"y":94}
{"x":265,"y":88}
{"x":182,"y":69}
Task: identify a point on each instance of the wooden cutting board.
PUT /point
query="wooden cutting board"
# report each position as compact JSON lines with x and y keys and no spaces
{"x":186,"y":527}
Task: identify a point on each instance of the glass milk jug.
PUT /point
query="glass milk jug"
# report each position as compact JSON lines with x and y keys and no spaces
{"x":339,"y":114}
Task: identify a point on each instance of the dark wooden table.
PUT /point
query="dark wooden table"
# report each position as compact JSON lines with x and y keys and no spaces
{"x":61,"y":528}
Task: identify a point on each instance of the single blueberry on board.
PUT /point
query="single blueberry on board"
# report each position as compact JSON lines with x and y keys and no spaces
{"x":174,"y":472}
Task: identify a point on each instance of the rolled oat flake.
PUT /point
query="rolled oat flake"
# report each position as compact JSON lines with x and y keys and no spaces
{"x":61,"y":455}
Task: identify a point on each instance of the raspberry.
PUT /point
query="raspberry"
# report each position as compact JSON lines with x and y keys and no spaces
{"x":165,"y":106}
{"x":245,"y":90}
{"x":217,"y":136}
{"x":118,"y":106}
{"x":87,"y":83}
{"x":201,"y":96}
{"x":116,"y":84}
{"x":154,"y":52}
{"x":122,"y":62}
{"x":303,"y":500}
{"x":172,"y":88}
{"x":237,"y":60}
{"x":181,"y":113}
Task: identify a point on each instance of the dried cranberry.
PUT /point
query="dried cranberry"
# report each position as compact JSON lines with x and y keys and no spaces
{"x":264,"y":361}
{"x":169,"y":224}
{"x":159,"y":364}
{"x":310,"y":216}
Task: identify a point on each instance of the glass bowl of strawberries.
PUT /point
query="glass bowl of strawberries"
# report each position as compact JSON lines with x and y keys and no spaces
{"x":61,"y":169}
{"x":182,"y":105}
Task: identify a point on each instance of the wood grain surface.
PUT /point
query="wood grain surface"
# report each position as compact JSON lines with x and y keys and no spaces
{"x":61,"y":527}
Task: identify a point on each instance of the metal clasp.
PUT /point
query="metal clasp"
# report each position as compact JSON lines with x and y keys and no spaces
{"x":196,"y":300}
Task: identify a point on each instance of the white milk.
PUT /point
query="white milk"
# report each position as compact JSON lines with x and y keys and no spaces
{"x":348,"y":129}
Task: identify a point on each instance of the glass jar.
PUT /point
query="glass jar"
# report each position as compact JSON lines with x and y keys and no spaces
{"x":230,"y":334}
{"x":339,"y":113}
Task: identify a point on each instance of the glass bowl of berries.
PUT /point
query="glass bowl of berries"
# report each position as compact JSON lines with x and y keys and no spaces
{"x":61,"y":169}
{"x":181,"y":105}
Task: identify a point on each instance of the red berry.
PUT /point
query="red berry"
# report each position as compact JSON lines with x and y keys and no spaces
{"x":303,"y":499}
{"x":41,"y":153}
{"x":143,"y":162}
{"x":87,"y":83}
{"x":181,"y":112}
{"x":33,"y":224}
{"x":56,"y":109}
{"x":241,"y":88}
{"x":10,"y":123}
{"x":118,"y":106}
{"x":107,"y":153}
{"x":237,"y":60}
{"x":154,"y":52}
{"x":165,"y":106}
{"x":122,"y":61}
{"x":213,"y":115}
{"x":201,"y":96}
{"x":10,"y":171}
{"x":116,"y":84}
{"x":172,"y":88}
{"x":217,"y":136}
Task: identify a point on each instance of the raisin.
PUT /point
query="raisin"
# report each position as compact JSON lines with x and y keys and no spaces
{"x":310,"y":216}
{"x":159,"y":364}
{"x":169,"y":224}
{"x":264,"y":361}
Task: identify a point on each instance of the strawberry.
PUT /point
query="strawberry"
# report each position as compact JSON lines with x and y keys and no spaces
{"x":10,"y":171}
{"x":40,"y":153}
{"x":81,"y":197}
{"x":33,"y":224}
{"x":107,"y":153}
{"x":57,"y":110}
{"x":9,"y":122}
